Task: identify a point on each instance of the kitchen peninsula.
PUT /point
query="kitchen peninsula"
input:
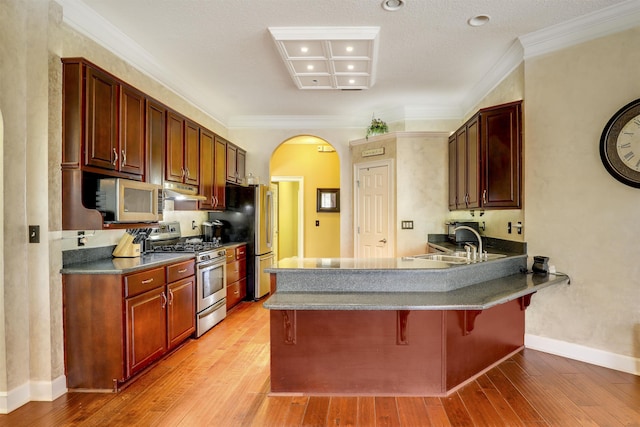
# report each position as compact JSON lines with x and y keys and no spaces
{"x":400,"y":326}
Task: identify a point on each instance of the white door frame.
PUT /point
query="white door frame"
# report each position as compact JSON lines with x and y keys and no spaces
{"x":390,"y":208}
{"x":300,"y":181}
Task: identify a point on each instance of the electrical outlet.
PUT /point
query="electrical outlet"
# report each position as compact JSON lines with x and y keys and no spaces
{"x":193,"y":225}
{"x":509,"y":227}
{"x":317,"y":223}
{"x":81,"y":238}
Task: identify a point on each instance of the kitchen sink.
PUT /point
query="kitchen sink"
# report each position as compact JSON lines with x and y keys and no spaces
{"x":450,"y":259}
{"x":485,"y":257}
{"x":458,"y":257}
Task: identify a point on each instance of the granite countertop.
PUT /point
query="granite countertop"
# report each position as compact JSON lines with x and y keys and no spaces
{"x":480,"y":296}
{"x":126,"y":265}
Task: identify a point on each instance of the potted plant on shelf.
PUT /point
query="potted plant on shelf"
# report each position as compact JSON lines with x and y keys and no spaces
{"x":377,"y":127}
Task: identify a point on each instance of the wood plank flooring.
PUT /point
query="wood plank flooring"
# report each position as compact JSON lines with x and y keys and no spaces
{"x":222,"y":379}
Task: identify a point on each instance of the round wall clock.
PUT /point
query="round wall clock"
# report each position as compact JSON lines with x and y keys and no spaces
{"x":620,"y":145}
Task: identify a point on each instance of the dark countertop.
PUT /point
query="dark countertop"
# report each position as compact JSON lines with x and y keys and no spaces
{"x":480,"y":296}
{"x":99,"y":260}
{"x":126,"y":265}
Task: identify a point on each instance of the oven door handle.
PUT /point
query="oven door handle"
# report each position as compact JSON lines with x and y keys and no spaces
{"x":210,"y":264}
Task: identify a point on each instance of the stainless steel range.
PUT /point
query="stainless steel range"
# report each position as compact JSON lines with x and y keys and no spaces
{"x":211,"y":273}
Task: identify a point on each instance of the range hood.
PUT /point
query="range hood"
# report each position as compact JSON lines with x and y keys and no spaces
{"x":175,"y":191}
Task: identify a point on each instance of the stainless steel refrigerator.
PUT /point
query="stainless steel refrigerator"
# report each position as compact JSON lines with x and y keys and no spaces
{"x":249,"y":218}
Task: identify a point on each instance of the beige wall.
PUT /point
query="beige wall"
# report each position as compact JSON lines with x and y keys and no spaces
{"x":288,"y":219}
{"x":576,"y":213}
{"x":320,"y":170}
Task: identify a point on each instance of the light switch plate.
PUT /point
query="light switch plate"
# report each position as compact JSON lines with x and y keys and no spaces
{"x":406,"y":225}
{"x":34,"y":234}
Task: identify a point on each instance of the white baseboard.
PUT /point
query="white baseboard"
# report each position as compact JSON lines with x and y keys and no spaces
{"x":45,"y":391}
{"x":582,"y":353}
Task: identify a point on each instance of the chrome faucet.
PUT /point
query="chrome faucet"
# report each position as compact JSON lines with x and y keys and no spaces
{"x":464,"y":227}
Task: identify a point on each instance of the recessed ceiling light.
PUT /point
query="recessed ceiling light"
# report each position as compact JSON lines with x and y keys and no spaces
{"x":349,"y":48}
{"x":478,"y":20}
{"x":304,"y":49}
{"x":309,"y":67}
{"x":350,"y":67}
{"x":392,"y":5}
{"x":351,"y":81}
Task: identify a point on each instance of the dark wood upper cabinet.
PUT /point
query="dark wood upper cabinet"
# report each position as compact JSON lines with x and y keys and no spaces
{"x":191,"y":153}
{"x":156,"y":114}
{"x":111,"y":129}
{"x":220,"y":173}
{"x":485,"y":160}
{"x":175,"y":147}
{"x":207,"y":172}
{"x":502,"y":156}
{"x":183,"y":150}
{"x":132,"y":131}
{"x":236,"y":164}
{"x":101,"y":125}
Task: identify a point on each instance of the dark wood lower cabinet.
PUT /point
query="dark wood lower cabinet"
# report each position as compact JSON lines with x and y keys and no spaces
{"x":146,"y":329}
{"x":116,"y":325}
{"x":389,"y":352}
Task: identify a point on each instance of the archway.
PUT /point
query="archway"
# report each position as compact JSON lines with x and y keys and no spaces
{"x":311,"y":163}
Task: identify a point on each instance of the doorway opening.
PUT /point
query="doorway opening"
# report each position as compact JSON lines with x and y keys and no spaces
{"x":299,"y":168}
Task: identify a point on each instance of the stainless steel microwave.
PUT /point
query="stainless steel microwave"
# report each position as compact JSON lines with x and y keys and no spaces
{"x":125,"y":200}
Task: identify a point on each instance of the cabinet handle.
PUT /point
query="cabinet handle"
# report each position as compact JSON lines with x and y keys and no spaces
{"x":164,"y":300}
{"x":187,"y":172}
{"x":170,"y":296}
{"x":213,"y":201}
{"x":182,"y":271}
{"x":236,"y":292}
{"x":144,"y":282}
{"x":124,"y":158}
{"x":182,"y":172}
{"x":484,"y":196}
{"x":115,"y":157}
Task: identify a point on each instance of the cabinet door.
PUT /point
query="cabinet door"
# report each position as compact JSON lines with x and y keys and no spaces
{"x":207,"y":172}
{"x":191,"y":153}
{"x":461,"y":168}
{"x":241,"y":160}
{"x":132,"y":106}
{"x":146,"y":333}
{"x":473,"y":163}
{"x":501,"y":153}
{"x":220,"y":173}
{"x":101,"y":121}
{"x":453,"y":173}
{"x":182,"y":310}
{"x":232,"y":154}
{"x":174,"y":169}
{"x":155,"y":142}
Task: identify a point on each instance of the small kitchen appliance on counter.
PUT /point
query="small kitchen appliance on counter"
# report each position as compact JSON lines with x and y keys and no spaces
{"x":131,"y":243}
{"x":462,"y":236}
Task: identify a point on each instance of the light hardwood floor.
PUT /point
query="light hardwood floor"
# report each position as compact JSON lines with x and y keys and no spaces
{"x":222,"y":379}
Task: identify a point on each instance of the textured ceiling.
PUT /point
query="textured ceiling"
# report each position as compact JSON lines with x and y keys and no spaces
{"x":220,"y":55}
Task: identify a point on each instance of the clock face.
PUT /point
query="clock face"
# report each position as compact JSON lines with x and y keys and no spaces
{"x":620,"y":145}
{"x":628,"y":144}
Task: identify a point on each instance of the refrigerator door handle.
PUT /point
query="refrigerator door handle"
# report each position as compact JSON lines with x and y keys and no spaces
{"x":269,"y":218}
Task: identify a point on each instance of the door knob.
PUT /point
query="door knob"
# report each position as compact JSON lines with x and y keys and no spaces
{"x":383,"y":241}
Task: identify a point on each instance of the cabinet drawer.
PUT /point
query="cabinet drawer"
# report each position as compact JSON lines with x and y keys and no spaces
{"x":236,"y":270}
{"x":236,"y":292}
{"x":181,"y":270}
{"x":231,"y":255}
{"x":241,"y":252}
{"x":138,"y":283}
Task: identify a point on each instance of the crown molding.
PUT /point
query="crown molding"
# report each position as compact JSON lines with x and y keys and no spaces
{"x":610,"y":20}
{"x":87,"y":22}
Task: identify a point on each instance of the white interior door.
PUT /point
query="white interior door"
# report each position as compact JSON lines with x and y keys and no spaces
{"x":374,"y":216}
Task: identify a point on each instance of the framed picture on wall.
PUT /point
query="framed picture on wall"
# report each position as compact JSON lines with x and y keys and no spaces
{"x":328,"y":200}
